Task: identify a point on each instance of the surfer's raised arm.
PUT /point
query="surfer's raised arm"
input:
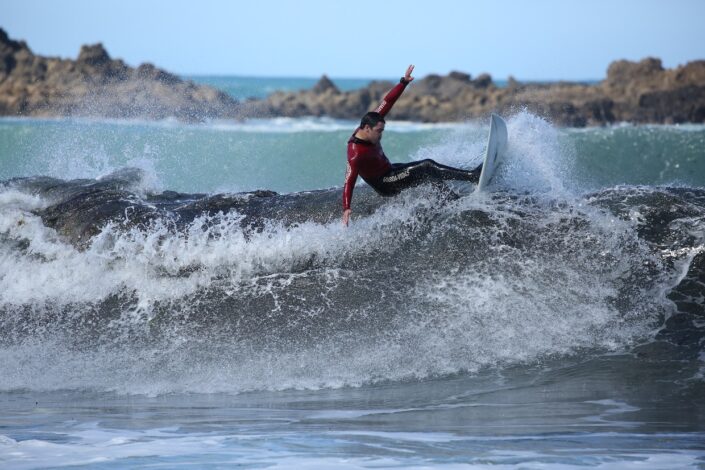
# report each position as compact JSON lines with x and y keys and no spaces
{"x":386,"y":105}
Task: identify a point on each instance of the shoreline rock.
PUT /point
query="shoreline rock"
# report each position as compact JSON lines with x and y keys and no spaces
{"x":95,"y":85}
{"x":637,"y":92}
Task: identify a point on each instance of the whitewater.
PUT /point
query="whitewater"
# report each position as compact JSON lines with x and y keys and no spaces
{"x":185,"y":296}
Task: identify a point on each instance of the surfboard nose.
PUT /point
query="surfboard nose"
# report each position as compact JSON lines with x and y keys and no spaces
{"x":496,"y":150}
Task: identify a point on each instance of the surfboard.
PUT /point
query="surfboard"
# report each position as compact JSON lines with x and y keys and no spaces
{"x":496,"y":151}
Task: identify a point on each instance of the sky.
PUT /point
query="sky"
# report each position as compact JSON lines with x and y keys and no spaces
{"x":530,"y":40}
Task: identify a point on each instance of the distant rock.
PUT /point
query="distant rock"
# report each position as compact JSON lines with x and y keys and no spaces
{"x":97,"y":85}
{"x":325,"y":85}
{"x":623,"y":73}
{"x":462,"y":76}
{"x":94,"y":55}
{"x":638,"y":92}
{"x":483,"y":81}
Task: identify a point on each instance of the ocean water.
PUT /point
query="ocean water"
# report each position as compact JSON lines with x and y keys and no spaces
{"x":243,"y":88}
{"x":185,"y":296}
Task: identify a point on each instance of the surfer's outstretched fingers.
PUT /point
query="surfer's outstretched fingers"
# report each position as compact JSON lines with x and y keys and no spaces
{"x":409,"y":71}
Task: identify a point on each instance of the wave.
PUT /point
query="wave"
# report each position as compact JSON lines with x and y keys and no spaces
{"x":111,"y":283}
{"x":105,"y":286}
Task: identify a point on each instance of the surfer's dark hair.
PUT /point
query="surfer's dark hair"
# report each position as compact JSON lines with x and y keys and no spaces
{"x":371,"y":119}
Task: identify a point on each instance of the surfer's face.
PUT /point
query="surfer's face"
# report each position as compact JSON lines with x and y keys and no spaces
{"x":375,"y":133}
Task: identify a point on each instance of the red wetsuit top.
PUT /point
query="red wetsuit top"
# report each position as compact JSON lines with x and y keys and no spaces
{"x":366,"y":159}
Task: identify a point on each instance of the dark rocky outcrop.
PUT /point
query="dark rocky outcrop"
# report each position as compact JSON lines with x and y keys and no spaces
{"x":325,"y":84}
{"x":79,"y":209}
{"x":96,"y":85}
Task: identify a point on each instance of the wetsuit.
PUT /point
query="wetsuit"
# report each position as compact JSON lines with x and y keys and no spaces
{"x":369,"y":161}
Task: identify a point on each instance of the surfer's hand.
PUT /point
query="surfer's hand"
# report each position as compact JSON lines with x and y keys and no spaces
{"x":346,"y":216}
{"x":407,"y":76}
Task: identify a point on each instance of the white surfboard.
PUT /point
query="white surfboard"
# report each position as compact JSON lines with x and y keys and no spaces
{"x":496,"y":151}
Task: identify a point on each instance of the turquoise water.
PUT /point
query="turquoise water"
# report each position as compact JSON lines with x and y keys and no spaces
{"x":283,"y":155}
{"x":288,"y":155}
{"x":243,"y":88}
{"x":648,"y":155}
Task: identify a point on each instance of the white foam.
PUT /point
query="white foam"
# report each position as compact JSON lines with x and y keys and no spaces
{"x":321,"y":124}
{"x":151,"y":262}
{"x":14,"y":204}
{"x":457,"y":321}
{"x":254,"y":125}
{"x":538,"y":159}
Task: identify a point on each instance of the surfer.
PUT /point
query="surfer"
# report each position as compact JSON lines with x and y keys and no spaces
{"x":367,"y":159}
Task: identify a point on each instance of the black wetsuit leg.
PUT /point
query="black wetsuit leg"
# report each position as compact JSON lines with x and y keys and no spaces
{"x":407,"y":175}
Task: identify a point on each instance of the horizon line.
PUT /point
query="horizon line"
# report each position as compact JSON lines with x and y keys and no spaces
{"x":332,"y":77}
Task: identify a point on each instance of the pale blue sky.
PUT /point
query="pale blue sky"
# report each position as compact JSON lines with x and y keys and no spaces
{"x":532,"y":40}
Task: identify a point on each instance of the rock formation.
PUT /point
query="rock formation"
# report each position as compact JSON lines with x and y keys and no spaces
{"x":638,"y":92}
{"x":96,"y":85}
